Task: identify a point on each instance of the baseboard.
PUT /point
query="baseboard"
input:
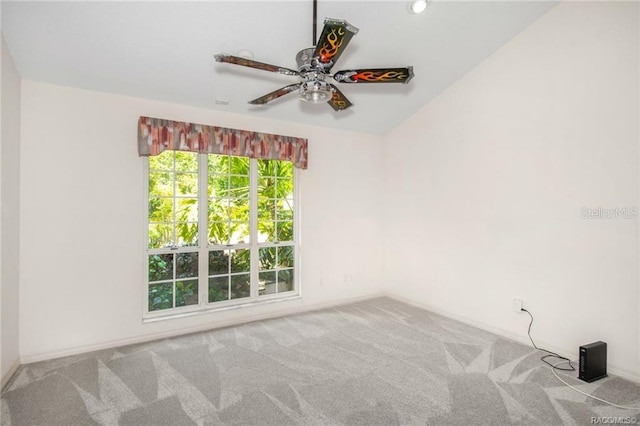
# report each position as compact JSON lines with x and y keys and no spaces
{"x":5,"y":379}
{"x":628,"y":375}
{"x":290,"y":310}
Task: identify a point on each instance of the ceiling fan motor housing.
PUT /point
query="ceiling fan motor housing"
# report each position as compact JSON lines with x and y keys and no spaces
{"x":313,"y":88}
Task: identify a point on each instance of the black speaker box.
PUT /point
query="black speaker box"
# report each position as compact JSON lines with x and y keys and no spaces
{"x":593,"y":361}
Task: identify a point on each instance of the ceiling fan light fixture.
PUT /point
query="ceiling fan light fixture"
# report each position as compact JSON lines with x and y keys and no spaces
{"x":315,"y":91}
{"x":418,"y":6}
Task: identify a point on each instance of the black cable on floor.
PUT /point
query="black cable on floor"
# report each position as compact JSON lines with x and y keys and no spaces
{"x":550,"y":354}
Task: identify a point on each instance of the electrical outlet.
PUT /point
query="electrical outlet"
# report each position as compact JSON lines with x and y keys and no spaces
{"x":517,"y":305}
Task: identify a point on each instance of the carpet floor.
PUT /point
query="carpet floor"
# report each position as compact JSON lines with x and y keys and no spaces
{"x":377,"y":362}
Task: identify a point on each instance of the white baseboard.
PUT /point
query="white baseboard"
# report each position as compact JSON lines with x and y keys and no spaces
{"x":5,"y":379}
{"x":626,"y":374}
{"x":289,"y":310}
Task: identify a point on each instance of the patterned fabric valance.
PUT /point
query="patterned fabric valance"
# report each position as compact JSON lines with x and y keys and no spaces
{"x":156,"y":135}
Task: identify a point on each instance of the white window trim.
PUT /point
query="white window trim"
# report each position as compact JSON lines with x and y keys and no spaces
{"x":203,"y":306}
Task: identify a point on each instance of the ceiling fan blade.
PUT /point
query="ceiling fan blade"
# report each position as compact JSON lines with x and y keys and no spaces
{"x":230,"y":59}
{"x":275,"y":94}
{"x":335,"y":36}
{"x":375,"y":75}
{"x":338,"y":100}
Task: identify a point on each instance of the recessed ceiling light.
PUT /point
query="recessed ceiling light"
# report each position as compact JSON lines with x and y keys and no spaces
{"x":418,"y":6}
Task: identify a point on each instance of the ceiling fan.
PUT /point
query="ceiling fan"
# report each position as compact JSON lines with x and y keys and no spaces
{"x":314,"y":66}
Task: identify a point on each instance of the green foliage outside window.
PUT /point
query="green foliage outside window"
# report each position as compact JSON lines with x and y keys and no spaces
{"x":169,"y":273}
{"x":173,"y":221}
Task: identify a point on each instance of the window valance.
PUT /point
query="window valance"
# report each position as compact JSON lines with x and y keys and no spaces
{"x":156,"y":135}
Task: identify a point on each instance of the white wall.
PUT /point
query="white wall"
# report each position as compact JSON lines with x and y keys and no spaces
{"x":489,"y":180}
{"x":484,"y":188}
{"x":82,"y":224}
{"x":10,"y":217}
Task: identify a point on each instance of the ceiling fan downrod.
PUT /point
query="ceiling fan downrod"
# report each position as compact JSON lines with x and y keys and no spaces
{"x":315,"y":22}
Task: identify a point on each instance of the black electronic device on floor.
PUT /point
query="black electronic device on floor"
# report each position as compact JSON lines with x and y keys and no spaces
{"x":593,"y":361}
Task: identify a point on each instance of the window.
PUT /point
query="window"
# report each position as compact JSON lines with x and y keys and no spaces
{"x":221,"y":232}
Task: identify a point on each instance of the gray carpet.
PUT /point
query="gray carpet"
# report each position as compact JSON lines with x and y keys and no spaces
{"x":378,"y":362}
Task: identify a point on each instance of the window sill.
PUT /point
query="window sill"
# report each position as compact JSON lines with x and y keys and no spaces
{"x":212,"y":309}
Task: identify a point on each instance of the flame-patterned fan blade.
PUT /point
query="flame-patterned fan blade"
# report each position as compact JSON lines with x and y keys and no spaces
{"x":335,"y":36}
{"x":375,"y":75}
{"x":275,"y":94}
{"x":230,"y":59}
{"x":338,"y":101}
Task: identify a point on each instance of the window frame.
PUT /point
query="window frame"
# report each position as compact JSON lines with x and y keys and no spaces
{"x":203,"y":248}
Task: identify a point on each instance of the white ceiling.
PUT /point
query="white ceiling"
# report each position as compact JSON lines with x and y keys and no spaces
{"x":164,"y":50}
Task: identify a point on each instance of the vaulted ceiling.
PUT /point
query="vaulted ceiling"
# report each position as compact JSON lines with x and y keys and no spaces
{"x":164,"y":50}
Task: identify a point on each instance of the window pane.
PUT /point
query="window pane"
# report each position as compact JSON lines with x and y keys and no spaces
{"x":238,"y":186}
{"x":283,"y":209}
{"x":161,"y":267}
{"x":160,"y":235}
{"x":160,"y":296}
{"x":285,"y":168}
{"x":268,"y":167}
{"x":239,"y":209}
{"x":285,"y":231}
{"x":186,"y":209}
{"x":186,"y":265}
{"x":218,"y":262}
{"x":285,"y":214}
{"x":285,"y":280}
{"x":267,"y":187}
{"x":240,"y":260}
{"x":239,"y":233}
{"x":266,"y":209}
{"x":289,"y":202}
{"x":160,"y":209}
{"x":239,"y":166}
{"x":267,"y":282}
{"x":187,"y":234}
{"x":163,"y":161}
{"x":218,"y":289}
{"x":284,"y":188}
{"x":285,"y":257}
{"x":218,"y":232}
{"x":266,"y":231}
{"x":218,"y":164}
{"x":187,"y":184}
{"x":240,"y":286}
{"x":161,"y":184}
{"x":186,"y":293}
{"x":219,"y":208}
{"x":214,"y":187}
{"x":267,"y":257}
{"x":186,"y":161}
